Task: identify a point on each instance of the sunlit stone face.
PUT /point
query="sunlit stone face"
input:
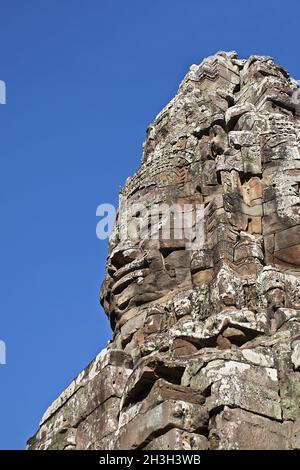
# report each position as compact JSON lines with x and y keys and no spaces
{"x":202,"y":287}
{"x":225,"y":154}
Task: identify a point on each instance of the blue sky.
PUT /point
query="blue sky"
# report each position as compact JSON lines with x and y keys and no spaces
{"x":84,"y":79}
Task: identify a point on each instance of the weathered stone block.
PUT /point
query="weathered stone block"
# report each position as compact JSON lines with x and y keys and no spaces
{"x":235,"y":429}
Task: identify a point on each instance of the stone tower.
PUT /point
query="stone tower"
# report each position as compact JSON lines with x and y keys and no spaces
{"x":203,"y":299}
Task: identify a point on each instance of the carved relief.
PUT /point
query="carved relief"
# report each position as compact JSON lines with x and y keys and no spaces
{"x":209,"y":335}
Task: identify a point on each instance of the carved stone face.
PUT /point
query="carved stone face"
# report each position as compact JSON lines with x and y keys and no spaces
{"x":228,"y":143}
{"x":205,"y":313}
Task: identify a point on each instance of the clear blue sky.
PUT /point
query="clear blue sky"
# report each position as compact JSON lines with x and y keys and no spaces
{"x":84,"y":79}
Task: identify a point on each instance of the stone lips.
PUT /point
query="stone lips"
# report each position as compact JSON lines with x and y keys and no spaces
{"x":205,"y":350}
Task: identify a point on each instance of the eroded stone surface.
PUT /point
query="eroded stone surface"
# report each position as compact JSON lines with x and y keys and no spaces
{"x":206,"y":338}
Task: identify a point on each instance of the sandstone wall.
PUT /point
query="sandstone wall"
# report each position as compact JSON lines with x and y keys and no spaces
{"x":206,"y":333}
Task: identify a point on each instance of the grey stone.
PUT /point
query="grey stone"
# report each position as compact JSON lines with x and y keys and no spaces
{"x":206,"y":320}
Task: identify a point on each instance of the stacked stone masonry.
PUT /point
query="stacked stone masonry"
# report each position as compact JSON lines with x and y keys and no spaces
{"x":206,"y":340}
